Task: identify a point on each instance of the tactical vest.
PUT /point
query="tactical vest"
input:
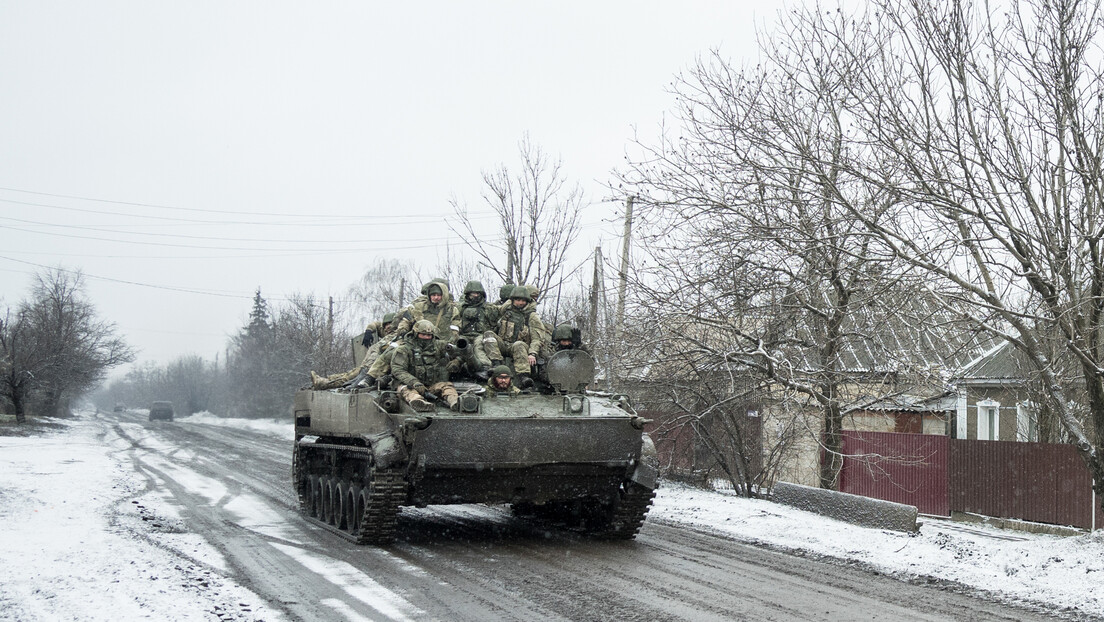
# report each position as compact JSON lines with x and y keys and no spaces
{"x":514,"y":325}
{"x":474,"y":319}
{"x":428,"y":364}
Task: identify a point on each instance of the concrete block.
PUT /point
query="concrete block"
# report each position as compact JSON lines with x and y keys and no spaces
{"x":850,"y":508}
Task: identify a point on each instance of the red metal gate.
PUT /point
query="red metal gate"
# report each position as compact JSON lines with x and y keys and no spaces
{"x":905,"y":468}
{"x":1036,"y":482}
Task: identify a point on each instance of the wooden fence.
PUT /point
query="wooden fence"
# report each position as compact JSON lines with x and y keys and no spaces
{"x":1036,"y":482}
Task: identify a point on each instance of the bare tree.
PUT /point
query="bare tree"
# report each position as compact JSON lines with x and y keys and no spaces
{"x":55,"y":347}
{"x":741,"y":236}
{"x":386,"y":286}
{"x":19,"y":362}
{"x":985,"y":126}
{"x":537,"y":218}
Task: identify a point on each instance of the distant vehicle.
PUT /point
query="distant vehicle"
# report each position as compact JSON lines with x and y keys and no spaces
{"x":161,"y":410}
{"x":119,"y":407}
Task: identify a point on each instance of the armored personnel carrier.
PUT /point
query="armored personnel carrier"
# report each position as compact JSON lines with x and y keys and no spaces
{"x":561,"y":454}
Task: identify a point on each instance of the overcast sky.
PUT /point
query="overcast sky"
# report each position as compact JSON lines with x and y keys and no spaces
{"x":183,"y":154}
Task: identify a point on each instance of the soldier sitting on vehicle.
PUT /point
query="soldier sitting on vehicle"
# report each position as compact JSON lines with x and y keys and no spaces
{"x":501,"y":382}
{"x":567,"y":337}
{"x":436,"y":306}
{"x":520,"y":333}
{"x":420,"y":367}
{"x":478,"y":319}
{"x":376,"y":337}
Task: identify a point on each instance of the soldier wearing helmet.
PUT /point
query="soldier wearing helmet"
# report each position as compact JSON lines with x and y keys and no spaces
{"x":420,"y":367}
{"x":567,"y":337}
{"x":520,"y":334}
{"x":478,"y":319}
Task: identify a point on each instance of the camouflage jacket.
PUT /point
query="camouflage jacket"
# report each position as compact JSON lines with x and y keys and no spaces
{"x":476,"y":319}
{"x":443,"y":316}
{"x":523,"y":325}
{"x":415,"y":362}
{"x":493,"y":392}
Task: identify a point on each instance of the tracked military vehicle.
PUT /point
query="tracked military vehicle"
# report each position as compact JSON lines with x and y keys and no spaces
{"x":561,"y":454}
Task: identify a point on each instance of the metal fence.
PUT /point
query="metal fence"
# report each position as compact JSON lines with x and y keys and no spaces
{"x":1036,"y":482}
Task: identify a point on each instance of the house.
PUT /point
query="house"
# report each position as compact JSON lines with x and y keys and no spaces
{"x":992,"y":399}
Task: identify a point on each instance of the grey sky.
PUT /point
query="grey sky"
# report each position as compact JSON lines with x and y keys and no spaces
{"x":201,"y":146}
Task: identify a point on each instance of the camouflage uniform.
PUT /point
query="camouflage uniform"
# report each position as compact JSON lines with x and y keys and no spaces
{"x":492,"y":391}
{"x":444,"y":315}
{"x":477,"y":323}
{"x":520,"y":331}
{"x":421,"y":365}
{"x":381,"y":328}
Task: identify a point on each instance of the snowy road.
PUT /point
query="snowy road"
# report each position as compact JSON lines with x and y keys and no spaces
{"x":231,"y":486}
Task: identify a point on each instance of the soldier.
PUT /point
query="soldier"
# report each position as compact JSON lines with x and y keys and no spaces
{"x":519,"y":333}
{"x":501,"y":382}
{"x":376,"y":336}
{"x":478,"y":320}
{"x":435,"y":305}
{"x":420,"y":366}
{"x":375,"y":331}
{"x":567,"y":337}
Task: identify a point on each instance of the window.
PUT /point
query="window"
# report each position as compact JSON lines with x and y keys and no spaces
{"x":1027,"y":422}
{"x":988,"y":418}
{"x":960,"y":415}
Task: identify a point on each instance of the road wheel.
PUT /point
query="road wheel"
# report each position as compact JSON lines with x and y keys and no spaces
{"x":356,"y":502}
{"x":341,"y":507}
{"x":315,"y":503}
{"x":327,"y":501}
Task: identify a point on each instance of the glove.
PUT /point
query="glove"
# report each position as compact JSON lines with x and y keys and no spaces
{"x":420,"y":388}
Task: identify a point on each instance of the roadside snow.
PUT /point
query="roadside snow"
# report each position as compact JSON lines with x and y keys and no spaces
{"x":77,"y":540}
{"x":1061,"y":572}
{"x":85,"y":537}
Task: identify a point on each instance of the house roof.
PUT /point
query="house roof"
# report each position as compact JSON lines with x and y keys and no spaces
{"x":1002,"y":363}
{"x":909,"y":403}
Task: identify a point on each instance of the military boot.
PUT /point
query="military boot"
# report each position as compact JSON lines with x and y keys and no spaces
{"x":420,"y":405}
{"x":525,"y":381}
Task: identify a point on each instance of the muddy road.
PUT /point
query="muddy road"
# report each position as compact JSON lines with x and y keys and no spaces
{"x":476,"y":562}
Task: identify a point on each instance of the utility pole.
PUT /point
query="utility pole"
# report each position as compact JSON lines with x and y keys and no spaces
{"x":592,"y":320}
{"x":622,"y":287}
{"x":623,"y":275}
{"x":510,"y":249}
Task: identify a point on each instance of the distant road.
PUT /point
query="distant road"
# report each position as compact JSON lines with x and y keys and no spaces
{"x":479,"y":563}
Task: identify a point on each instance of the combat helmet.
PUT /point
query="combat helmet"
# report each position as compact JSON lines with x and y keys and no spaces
{"x":424,"y":326}
{"x":474,"y":286}
{"x":388,"y":318}
{"x":522,"y":292}
{"x":505,"y":291}
{"x":563,"y":331}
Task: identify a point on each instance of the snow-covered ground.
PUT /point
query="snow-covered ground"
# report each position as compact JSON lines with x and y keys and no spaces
{"x":72,"y":546}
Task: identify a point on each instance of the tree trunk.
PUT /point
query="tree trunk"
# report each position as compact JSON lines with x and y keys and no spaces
{"x":831,"y":462}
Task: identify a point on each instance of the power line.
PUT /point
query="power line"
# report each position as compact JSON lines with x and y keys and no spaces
{"x":301,"y":221}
